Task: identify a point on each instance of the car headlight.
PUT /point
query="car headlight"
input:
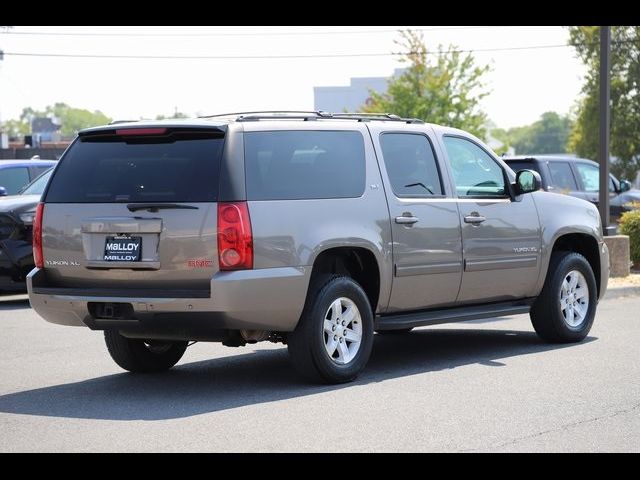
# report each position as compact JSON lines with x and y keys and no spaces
{"x":27,"y":217}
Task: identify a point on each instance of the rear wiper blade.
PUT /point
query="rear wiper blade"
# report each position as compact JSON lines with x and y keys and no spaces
{"x":154,"y":207}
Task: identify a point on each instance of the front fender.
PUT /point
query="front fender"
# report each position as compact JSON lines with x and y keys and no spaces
{"x":563,"y":215}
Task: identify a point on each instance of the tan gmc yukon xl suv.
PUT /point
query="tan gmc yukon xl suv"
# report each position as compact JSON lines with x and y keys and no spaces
{"x":311,"y":229}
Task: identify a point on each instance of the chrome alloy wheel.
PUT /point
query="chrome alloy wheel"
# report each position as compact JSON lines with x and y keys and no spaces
{"x":342,"y":331}
{"x":574,"y":298}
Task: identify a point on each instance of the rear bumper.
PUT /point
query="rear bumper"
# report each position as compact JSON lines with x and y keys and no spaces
{"x":266,"y":299}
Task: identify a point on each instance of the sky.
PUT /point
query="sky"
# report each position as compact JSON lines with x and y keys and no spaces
{"x":524,"y":83}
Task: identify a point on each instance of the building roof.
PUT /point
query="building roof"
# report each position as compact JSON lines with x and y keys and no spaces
{"x":44,"y":124}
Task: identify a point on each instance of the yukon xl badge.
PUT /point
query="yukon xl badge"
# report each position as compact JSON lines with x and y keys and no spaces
{"x":61,"y":263}
{"x":525,"y":249}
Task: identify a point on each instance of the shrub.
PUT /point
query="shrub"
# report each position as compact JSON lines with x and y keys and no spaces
{"x":630,"y":225}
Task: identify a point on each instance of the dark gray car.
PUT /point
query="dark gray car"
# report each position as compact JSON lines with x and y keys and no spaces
{"x":579,"y":178}
{"x":17,"y":213}
{"x":311,"y":229}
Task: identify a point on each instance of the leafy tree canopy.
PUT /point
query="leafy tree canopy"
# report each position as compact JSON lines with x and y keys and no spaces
{"x":175,"y":114}
{"x":71,"y":119}
{"x":443,"y":87}
{"x":547,"y":135}
{"x":625,"y":97}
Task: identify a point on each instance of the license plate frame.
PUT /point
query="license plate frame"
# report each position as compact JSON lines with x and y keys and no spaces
{"x":122,"y":248}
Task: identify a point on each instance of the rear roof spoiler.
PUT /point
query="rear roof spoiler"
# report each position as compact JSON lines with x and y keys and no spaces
{"x":108,"y":130}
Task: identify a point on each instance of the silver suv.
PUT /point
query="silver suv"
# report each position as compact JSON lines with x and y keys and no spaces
{"x":311,"y":229}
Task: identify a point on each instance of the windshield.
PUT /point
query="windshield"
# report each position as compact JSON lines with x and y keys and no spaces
{"x":37,"y":186}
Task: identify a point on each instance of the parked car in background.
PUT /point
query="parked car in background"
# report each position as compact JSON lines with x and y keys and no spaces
{"x":269,"y":227}
{"x":16,"y":174}
{"x":577,"y":177}
{"x":16,"y":221}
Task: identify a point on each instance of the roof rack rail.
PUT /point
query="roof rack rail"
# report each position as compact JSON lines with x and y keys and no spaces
{"x":271,"y":114}
{"x":388,"y":117}
{"x":116,"y":122}
{"x":312,"y":115}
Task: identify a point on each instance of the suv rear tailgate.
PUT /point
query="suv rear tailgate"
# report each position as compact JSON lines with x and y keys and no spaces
{"x":134,"y":209}
{"x":177,"y":247}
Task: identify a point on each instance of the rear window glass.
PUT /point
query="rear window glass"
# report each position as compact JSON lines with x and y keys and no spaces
{"x":562,"y":176}
{"x":516,"y":166}
{"x":13,"y":179}
{"x":289,"y":165}
{"x":37,"y":186}
{"x":411,"y":164}
{"x":37,"y":171}
{"x":112,"y":170}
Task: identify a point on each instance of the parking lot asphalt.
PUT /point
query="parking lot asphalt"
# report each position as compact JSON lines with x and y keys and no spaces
{"x":475,"y":386}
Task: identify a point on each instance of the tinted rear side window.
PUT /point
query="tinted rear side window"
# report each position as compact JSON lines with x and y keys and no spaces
{"x":290,"y":165}
{"x":185,"y":169}
{"x":562,"y":176}
{"x":37,"y":171}
{"x":411,"y":164}
{"x":13,"y":179}
{"x":516,"y":166}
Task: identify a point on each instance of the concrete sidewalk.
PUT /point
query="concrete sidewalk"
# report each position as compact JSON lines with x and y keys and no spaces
{"x":623,"y":286}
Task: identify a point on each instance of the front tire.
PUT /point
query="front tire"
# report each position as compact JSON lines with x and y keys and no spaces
{"x":143,"y":356}
{"x":333,"y":340}
{"x":565,"y":310}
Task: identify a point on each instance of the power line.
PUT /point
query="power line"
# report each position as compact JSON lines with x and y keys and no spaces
{"x":273,"y":57}
{"x":244,"y":34}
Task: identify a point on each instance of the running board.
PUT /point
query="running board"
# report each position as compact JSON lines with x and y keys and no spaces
{"x":450,"y":315}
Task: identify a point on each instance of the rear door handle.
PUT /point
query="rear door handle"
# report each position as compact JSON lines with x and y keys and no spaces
{"x":406,"y":220}
{"x":474,"y":219}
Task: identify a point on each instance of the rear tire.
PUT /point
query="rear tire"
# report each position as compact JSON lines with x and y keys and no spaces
{"x":565,"y":310}
{"x":333,"y":340}
{"x":143,"y":356}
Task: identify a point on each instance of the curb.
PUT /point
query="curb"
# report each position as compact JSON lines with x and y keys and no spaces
{"x":618,"y":292}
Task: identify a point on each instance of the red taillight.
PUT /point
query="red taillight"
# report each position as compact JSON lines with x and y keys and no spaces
{"x":235,"y":241}
{"x":141,"y":131}
{"x":37,"y":236}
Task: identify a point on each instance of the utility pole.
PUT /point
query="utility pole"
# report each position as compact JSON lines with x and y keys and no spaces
{"x":3,"y":139}
{"x":605,"y":117}
{"x":5,"y":29}
{"x":1,"y":59}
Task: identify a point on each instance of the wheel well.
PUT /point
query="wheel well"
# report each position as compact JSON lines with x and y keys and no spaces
{"x":355,"y":262}
{"x":585,"y":245}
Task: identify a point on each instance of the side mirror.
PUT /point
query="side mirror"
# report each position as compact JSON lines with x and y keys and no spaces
{"x":625,"y":186}
{"x":3,"y":192}
{"x":527,"y":181}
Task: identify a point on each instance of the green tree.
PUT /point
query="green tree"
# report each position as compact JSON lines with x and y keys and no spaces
{"x":625,"y":99}
{"x":547,"y":135}
{"x":74,"y":119}
{"x":20,"y":126}
{"x":15,"y":128}
{"x":443,"y":87}
{"x":71,"y":119}
{"x":175,"y":114}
